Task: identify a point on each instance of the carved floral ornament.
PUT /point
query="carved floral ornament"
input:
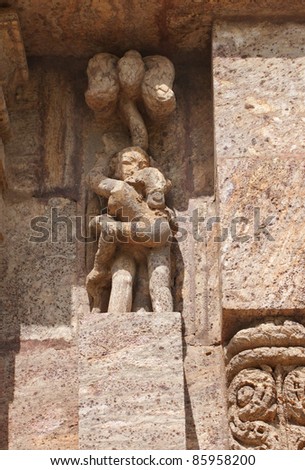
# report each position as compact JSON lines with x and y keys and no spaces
{"x":266,"y":386}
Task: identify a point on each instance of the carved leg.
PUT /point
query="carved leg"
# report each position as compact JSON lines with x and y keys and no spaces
{"x":99,"y":277}
{"x":95,"y":283}
{"x":159,"y":279}
{"x":123,"y":273}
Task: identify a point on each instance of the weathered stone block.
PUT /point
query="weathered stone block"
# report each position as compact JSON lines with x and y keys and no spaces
{"x":131,"y":382}
{"x":39,"y":263}
{"x":206,"y":405}
{"x":262,"y":208}
{"x":259,"y":89}
{"x":259,"y":123}
{"x":44,"y":412}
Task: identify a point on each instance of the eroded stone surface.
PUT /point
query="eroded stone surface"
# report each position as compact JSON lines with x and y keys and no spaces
{"x":259,"y":150}
{"x":49,"y":254}
{"x":261,"y":257}
{"x":205,"y":397}
{"x":37,"y":328}
{"x":44,"y":412}
{"x":178,"y":27}
{"x":131,"y":382}
{"x":258,"y":84}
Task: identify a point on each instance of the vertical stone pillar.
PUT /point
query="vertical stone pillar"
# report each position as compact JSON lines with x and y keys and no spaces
{"x":259,"y":95}
{"x":259,"y":113}
{"x":131,"y":382}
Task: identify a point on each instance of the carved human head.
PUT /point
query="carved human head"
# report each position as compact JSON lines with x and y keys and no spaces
{"x":128,"y":161}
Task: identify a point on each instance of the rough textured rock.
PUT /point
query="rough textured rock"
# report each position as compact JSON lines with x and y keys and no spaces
{"x":262,"y":270}
{"x":205,"y":398}
{"x":258,"y":123}
{"x":48,"y":254}
{"x":39,"y":268}
{"x":37,"y":331}
{"x":44,"y":413}
{"x":175,"y":27}
{"x":258,"y":79}
{"x":131,"y":382}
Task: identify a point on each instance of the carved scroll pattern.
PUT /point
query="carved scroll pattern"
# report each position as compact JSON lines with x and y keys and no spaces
{"x":294,"y":396}
{"x":252,"y":410}
{"x":266,"y":397}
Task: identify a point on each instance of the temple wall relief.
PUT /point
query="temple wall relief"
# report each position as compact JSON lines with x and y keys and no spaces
{"x":266,"y":373}
{"x":151,"y":232}
{"x":134,"y":233}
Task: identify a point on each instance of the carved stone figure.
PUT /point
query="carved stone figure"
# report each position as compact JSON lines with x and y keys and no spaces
{"x":134,"y":235}
{"x":266,"y":380}
{"x":138,"y":225}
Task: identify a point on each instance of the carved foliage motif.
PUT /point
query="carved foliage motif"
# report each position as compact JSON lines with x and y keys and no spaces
{"x":266,"y":395}
{"x":121,"y":83}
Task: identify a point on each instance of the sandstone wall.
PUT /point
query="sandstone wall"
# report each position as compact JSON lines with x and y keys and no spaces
{"x":258,"y":71}
{"x":233,"y":150}
{"x":54,"y":140}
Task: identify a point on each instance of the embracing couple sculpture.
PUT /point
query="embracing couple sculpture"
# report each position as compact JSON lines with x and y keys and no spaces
{"x":134,"y":236}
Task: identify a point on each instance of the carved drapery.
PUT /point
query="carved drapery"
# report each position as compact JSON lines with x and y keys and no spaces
{"x":266,"y":386}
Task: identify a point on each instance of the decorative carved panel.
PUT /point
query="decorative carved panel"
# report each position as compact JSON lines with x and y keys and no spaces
{"x":266,"y":387}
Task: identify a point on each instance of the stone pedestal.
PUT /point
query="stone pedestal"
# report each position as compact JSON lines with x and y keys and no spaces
{"x":131,"y":382}
{"x":259,"y":114}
